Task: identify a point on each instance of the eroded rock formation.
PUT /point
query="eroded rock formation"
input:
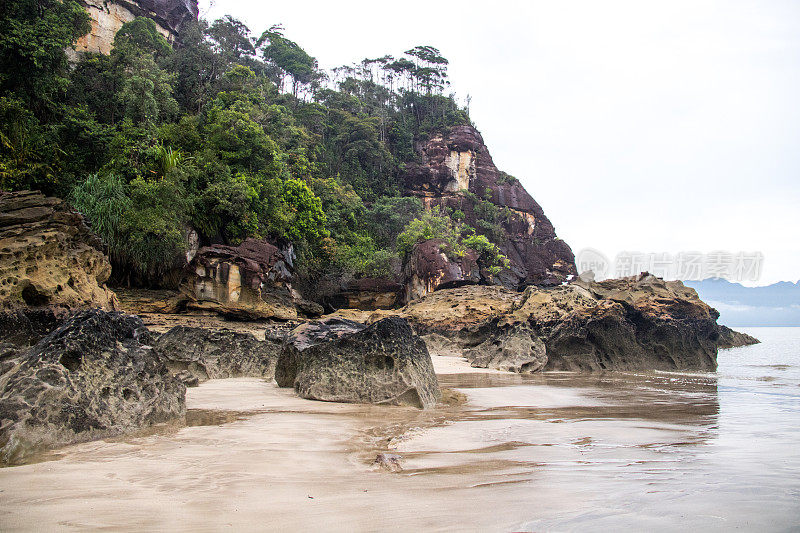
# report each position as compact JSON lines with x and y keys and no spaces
{"x":249,"y":280}
{"x":729,"y":338}
{"x":95,"y":375}
{"x":385,"y":363}
{"x":48,"y":256}
{"x":430,"y":268}
{"x":460,"y":163}
{"x":636,"y":323}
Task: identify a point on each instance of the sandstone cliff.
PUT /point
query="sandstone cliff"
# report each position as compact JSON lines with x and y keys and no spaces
{"x":48,"y":256}
{"x":459,"y":163}
{"x":108,"y":16}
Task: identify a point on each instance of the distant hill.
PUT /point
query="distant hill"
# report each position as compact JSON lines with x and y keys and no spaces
{"x":772,"y":305}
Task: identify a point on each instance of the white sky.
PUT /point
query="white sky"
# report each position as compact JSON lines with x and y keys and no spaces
{"x":638,"y":125}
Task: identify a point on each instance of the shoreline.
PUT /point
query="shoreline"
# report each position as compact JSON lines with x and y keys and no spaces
{"x":552,"y":451}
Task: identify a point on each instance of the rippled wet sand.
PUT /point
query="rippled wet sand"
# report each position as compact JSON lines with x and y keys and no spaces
{"x":548,"y":452}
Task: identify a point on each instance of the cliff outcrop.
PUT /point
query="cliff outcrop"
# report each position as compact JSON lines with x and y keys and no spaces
{"x":457,"y":172}
{"x":252,"y":280}
{"x":636,"y":323}
{"x":108,"y":16}
{"x":49,"y":256}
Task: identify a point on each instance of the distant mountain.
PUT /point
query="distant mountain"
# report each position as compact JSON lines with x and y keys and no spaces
{"x":772,"y":305}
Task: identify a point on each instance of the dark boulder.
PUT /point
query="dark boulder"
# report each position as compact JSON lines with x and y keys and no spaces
{"x":385,"y":363}
{"x":729,"y":338}
{"x":95,"y":375}
{"x":432,"y":266}
{"x":198,"y":354}
{"x":25,"y":326}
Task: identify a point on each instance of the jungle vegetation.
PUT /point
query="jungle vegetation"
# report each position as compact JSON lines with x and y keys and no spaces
{"x":233,"y":133}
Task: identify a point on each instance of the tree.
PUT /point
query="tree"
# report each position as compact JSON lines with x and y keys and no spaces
{"x":289,"y":58}
{"x":231,"y":39}
{"x":34,"y":37}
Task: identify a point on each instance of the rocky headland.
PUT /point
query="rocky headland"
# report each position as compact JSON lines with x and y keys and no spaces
{"x":73,"y":368}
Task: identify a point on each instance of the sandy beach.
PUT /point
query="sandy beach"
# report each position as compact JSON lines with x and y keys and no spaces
{"x":522,"y":453}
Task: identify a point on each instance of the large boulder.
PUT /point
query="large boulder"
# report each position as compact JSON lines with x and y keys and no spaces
{"x":199,"y":354}
{"x":457,"y":172}
{"x":385,"y":363}
{"x":95,"y":375}
{"x":252,"y":280}
{"x":49,"y":256}
{"x":432,"y":266}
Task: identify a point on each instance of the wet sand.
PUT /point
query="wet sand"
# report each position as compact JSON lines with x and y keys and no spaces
{"x":523,"y":453}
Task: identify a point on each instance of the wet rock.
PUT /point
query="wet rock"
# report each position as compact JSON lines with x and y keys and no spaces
{"x":431,"y":267}
{"x":636,"y":323}
{"x":729,"y":338}
{"x":95,"y":375}
{"x":213,"y":354}
{"x":252,"y":280}
{"x":513,"y":349}
{"x":385,"y":363}
{"x":307,"y":335}
{"x":48,"y":256}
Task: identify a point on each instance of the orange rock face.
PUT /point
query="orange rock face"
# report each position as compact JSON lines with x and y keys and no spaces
{"x":107,"y":17}
{"x":48,"y":256}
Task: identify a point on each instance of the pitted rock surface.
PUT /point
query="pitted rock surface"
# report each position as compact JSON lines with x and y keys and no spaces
{"x":49,"y":256}
{"x":94,"y":376}
{"x":216,"y":354}
{"x":636,"y":323}
{"x":385,"y":363}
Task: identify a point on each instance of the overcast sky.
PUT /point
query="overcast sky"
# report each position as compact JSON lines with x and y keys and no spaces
{"x":638,"y":125}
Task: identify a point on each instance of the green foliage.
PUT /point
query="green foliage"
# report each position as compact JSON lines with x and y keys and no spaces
{"x":146,"y":92}
{"x":34,"y":35}
{"x":457,"y":237}
{"x":103,"y":201}
{"x":22,"y":163}
{"x":288,"y":58}
{"x":141,"y":223}
{"x":154,"y":226}
{"x":432,"y":224}
{"x":141,"y":36}
{"x":306,"y":218}
{"x":232,"y":136}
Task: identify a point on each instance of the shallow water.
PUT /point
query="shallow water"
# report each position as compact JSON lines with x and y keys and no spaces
{"x":554,"y":452}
